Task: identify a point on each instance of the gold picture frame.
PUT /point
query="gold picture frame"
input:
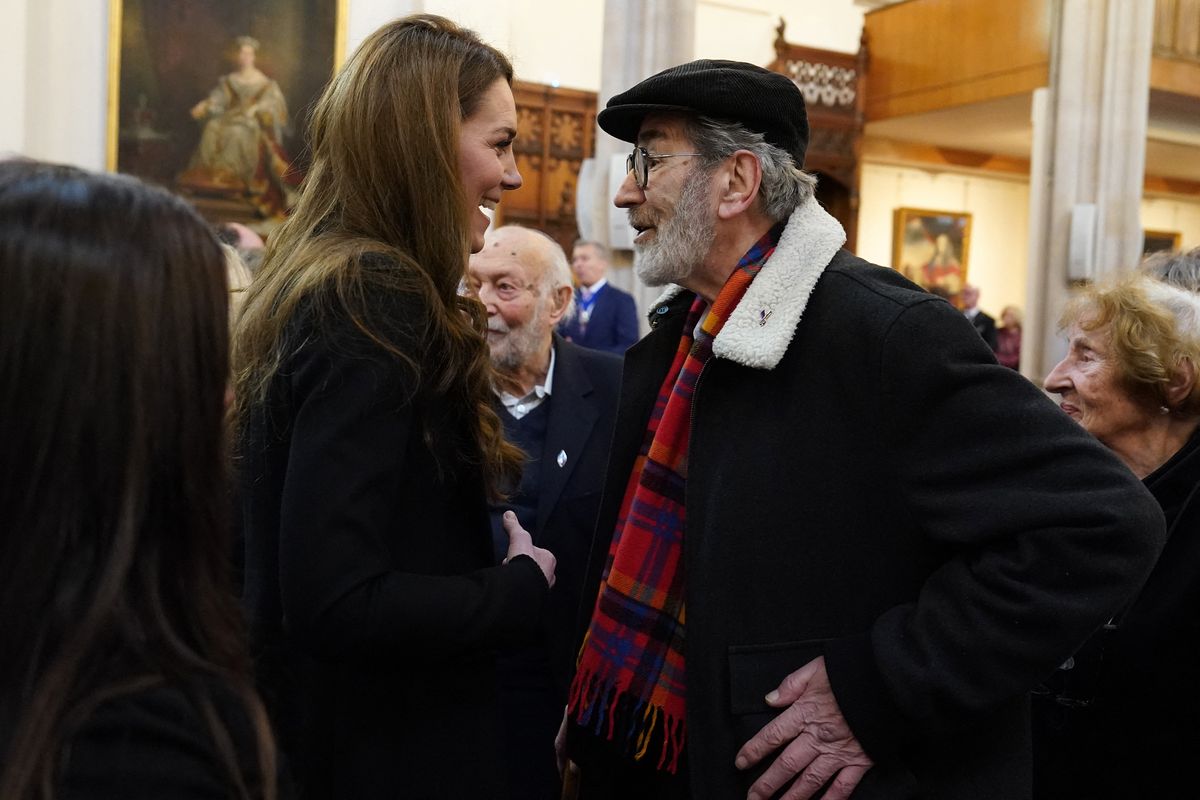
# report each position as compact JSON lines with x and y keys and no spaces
{"x":211,"y":98}
{"x":1156,"y":241}
{"x":931,"y":249}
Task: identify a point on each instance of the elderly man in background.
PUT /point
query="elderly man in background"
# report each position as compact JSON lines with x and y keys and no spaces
{"x":606,"y":317}
{"x":557,"y":402}
{"x":873,"y":539}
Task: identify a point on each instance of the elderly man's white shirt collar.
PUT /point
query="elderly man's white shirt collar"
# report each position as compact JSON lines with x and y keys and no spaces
{"x":520,"y":406}
{"x":760,"y":328}
{"x":597,"y":286}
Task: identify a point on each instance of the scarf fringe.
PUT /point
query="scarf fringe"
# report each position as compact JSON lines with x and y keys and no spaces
{"x":598,"y":704}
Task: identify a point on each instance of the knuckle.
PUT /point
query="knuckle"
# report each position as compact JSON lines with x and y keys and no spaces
{"x":763,"y":787}
{"x":790,"y":763}
{"x":828,"y":732}
{"x":843,"y":783}
{"x":813,"y":779}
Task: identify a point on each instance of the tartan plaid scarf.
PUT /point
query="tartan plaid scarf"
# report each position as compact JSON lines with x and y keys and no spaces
{"x":629,"y":686}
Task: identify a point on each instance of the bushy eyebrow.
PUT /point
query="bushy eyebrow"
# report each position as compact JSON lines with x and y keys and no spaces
{"x":649,"y":135}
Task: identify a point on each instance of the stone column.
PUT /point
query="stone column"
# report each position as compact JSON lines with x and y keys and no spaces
{"x":1089,"y":150}
{"x":641,"y":37}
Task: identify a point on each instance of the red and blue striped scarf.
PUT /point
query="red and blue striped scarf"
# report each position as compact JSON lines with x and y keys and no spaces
{"x":629,"y":686}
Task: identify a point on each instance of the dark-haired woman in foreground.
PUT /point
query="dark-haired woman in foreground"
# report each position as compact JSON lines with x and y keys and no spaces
{"x":122,"y":668}
{"x":368,"y":442}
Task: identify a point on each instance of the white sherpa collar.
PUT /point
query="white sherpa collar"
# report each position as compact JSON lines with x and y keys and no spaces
{"x":760,"y":328}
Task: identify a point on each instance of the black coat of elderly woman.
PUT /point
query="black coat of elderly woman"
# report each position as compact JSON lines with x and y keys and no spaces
{"x":1120,"y":718}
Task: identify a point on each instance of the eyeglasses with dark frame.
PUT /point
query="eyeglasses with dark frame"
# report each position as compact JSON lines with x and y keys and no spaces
{"x":638,"y":162}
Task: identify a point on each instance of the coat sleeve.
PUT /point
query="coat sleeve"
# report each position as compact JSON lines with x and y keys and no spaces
{"x":1047,"y":534}
{"x":343,"y":532}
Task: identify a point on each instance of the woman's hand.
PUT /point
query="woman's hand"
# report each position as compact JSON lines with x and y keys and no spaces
{"x":520,"y":543}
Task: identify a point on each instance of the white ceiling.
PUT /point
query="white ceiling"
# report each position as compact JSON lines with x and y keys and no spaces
{"x":1003,"y":127}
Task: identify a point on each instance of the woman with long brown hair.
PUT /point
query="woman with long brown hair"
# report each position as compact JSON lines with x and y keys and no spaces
{"x":123,"y":671}
{"x":368,"y":446}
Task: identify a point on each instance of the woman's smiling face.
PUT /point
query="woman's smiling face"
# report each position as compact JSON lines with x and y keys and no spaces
{"x":486,"y":163}
{"x":1089,"y":381}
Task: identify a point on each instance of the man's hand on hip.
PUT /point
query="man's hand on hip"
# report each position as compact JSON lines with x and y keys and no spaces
{"x":817,"y":744}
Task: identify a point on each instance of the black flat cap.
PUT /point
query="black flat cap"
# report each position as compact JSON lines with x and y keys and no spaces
{"x":764,"y":101}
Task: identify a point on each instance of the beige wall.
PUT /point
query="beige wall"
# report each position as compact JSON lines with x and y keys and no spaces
{"x":999,"y":209}
{"x":1171,"y":214}
{"x":999,"y":223}
{"x":12,"y":67}
{"x":744,"y":30}
{"x":557,"y":43}
{"x":55,"y":96}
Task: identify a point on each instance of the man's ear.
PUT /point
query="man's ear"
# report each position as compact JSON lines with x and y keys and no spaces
{"x":559,"y":299}
{"x":740,"y":182}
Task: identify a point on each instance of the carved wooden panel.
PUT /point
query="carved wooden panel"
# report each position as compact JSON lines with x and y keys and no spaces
{"x":555,"y":132}
{"x":834,"y":89}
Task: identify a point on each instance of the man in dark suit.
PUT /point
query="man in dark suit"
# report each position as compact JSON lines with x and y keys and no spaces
{"x":985,"y":324}
{"x":606,"y":317}
{"x":557,"y":402}
{"x":838,"y":543}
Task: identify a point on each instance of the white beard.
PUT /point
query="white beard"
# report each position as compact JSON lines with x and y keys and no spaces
{"x":519,"y":345}
{"x":681,"y":241}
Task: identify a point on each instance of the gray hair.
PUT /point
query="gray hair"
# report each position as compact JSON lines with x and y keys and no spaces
{"x":556,"y":268}
{"x":784,"y":186}
{"x":1184,"y":307}
{"x":1176,"y":269}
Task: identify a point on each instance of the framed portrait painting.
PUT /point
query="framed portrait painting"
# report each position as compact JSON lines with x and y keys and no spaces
{"x":930,"y":248}
{"x":211,"y":98}
{"x":1156,"y":241}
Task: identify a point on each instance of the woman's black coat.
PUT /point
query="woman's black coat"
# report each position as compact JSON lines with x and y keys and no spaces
{"x":369,"y":585}
{"x":1122,"y":721}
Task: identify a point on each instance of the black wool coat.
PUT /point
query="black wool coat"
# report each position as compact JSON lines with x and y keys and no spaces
{"x":867,"y":484}
{"x":1122,"y":720}
{"x":374,"y":605}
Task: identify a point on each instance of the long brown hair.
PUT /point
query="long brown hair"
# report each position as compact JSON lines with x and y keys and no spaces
{"x":385,"y":181}
{"x":114,"y":539}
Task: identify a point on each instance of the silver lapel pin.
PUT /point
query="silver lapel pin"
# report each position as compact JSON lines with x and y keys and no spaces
{"x":562,"y":458}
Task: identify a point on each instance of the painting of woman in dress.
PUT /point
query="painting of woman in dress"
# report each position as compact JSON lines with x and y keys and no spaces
{"x":930,"y":249}
{"x":212,"y":98}
{"x":241,"y":151}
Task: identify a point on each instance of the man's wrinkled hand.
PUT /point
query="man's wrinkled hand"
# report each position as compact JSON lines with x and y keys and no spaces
{"x":817,"y":744}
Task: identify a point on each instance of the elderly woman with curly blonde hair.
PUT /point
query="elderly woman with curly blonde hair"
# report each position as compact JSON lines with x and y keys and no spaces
{"x":1119,"y":718}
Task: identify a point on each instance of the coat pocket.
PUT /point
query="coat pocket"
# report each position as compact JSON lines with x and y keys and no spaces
{"x":756,"y":669}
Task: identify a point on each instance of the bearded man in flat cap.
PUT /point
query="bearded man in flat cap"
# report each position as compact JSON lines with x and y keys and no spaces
{"x":838,"y":544}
